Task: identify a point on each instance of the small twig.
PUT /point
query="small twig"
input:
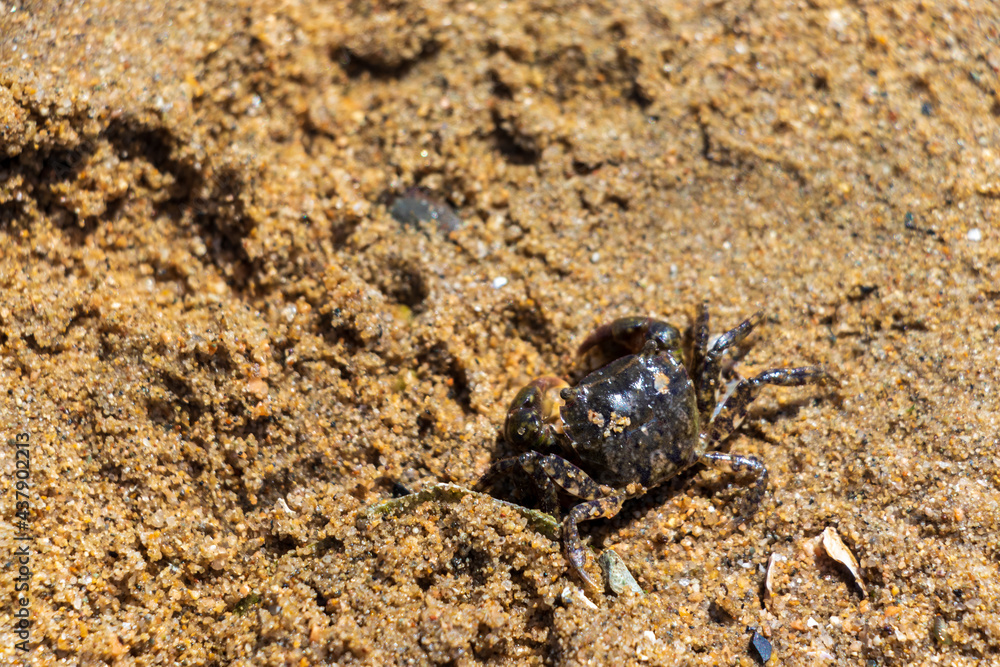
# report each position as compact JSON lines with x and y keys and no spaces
{"x":453,"y":493}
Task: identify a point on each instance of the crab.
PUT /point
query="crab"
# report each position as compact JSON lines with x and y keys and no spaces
{"x":637,"y":421}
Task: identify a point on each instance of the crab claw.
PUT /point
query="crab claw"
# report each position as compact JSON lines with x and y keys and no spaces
{"x":534,"y":413}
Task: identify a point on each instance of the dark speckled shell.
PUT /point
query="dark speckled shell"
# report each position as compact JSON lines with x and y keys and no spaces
{"x":652,"y":401}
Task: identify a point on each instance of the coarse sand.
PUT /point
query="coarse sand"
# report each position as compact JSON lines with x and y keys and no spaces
{"x":226,"y":328}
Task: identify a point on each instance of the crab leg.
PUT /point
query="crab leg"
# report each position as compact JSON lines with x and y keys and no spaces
{"x":730,"y":412}
{"x":732,"y":409}
{"x":548,"y":470}
{"x":575,"y":553}
{"x":708,"y":362}
{"x":700,"y":348}
{"x":755,"y":489}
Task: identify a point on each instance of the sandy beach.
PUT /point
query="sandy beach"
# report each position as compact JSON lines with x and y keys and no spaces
{"x":266,"y":265}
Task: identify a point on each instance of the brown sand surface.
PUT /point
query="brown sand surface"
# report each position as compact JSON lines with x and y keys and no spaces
{"x":222,"y":346}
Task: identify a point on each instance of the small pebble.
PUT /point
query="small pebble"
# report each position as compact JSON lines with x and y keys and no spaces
{"x":761,"y":646}
{"x":616,"y":574}
{"x":417,"y":207}
{"x":499,"y":282}
{"x":974,"y":234}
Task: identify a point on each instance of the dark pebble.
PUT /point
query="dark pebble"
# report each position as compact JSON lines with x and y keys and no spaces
{"x":399,"y":491}
{"x":761,"y":646}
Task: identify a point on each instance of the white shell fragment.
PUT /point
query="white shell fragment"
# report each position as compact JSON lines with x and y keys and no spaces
{"x":573,"y":595}
{"x":616,"y":574}
{"x":838,"y":551}
{"x":769,"y":578}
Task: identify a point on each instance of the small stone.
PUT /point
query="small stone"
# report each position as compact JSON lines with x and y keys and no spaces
{"x":616,"y":574}
{"x":417,"y":207}
{"x":974,"y":234}
{"x":761,"y":646}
